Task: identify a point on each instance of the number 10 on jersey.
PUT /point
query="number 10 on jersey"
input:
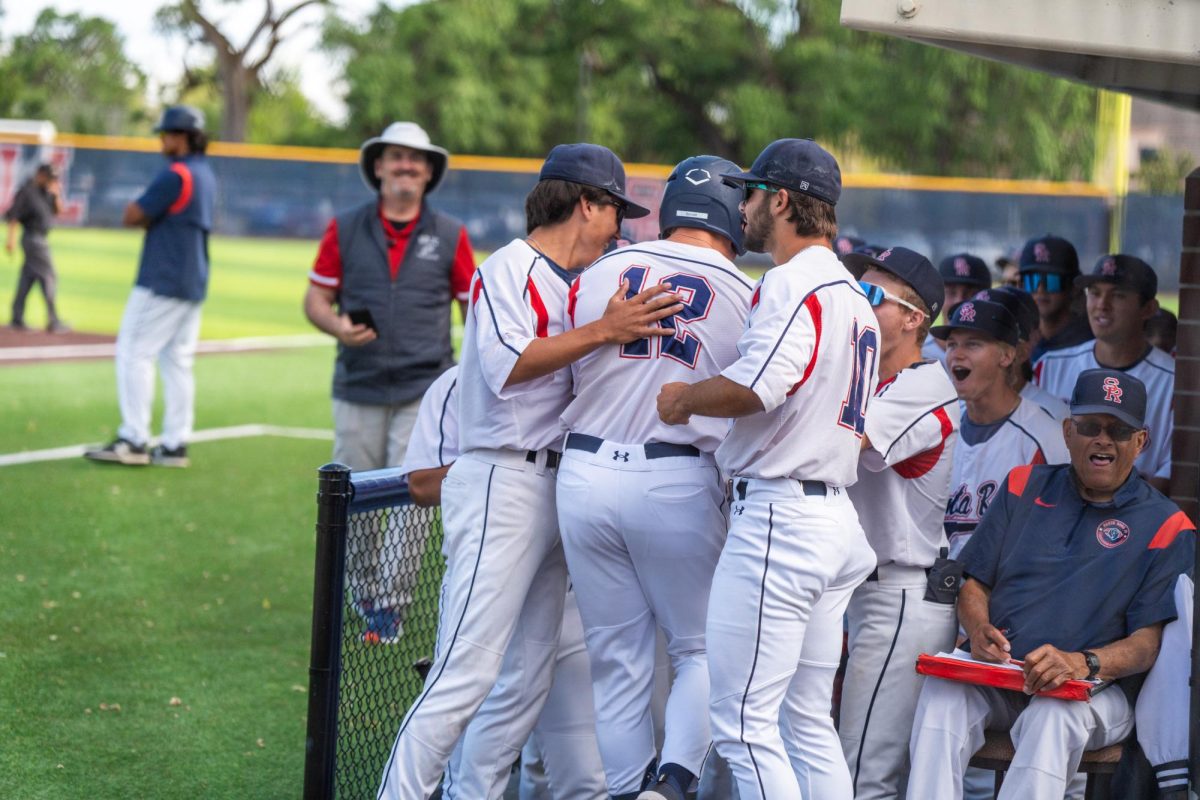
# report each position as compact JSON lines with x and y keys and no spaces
{"x":683,"y":346}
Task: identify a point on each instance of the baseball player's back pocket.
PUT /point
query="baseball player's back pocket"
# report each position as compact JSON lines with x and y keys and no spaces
{"x":685,"y":516}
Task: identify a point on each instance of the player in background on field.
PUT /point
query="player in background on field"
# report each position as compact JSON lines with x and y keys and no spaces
{"x":1120,"y":295}
{"x":1000,"y":430}
{"x":34,"y":208}
{"x":564,"y":738}
{"x":901,"y":610}
{"x":508,"y":574}
{"x":795,"y":551}
{"x":963,"y":274}
{"x":1049,"y":266}
{"x":640,"y":503}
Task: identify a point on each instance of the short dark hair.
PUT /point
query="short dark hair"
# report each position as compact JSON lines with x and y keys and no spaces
{"x":197,"y":141}
{"x":812,"y":217}
{"x":552,"y":201}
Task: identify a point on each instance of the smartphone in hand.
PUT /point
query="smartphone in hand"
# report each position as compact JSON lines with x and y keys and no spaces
{"x":362,"y":316}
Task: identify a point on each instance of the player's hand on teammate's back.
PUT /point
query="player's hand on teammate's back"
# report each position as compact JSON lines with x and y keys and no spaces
{"x":1047,"y":667}
{"x":629,"y":319}
{"x":353,"y":335}
{"x":989,"y":644}
{"x":670,"y":409}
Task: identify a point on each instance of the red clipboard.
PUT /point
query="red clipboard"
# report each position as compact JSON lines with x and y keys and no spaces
{"x":966,"y":670}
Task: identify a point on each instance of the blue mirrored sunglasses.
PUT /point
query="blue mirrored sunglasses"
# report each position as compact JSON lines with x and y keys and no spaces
{"x":877,"y":294}
{"x":1051,"y":280}
{"x":751,"y":186}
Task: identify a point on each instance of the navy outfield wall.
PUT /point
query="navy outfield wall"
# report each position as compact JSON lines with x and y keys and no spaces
{"x":292,"y":192}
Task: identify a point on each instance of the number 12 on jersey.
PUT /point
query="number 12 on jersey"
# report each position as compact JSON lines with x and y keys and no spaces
{"x":683,"y":346}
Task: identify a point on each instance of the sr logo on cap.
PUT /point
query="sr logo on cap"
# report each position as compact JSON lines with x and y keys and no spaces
{"x":961,"y":267}
{"x":1041,"y":253}
{"x":1112,"y":390}
{"x":967,"y":312}
{"x":1109,"y":267}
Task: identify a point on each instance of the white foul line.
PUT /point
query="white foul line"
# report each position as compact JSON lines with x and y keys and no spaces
{"x":109,"y":349}
{"x":209,"y":435}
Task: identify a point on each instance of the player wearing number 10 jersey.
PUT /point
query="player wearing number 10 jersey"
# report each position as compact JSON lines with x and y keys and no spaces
{"x":640,"y":502}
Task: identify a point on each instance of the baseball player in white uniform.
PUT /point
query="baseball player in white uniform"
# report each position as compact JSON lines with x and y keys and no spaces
{"x":999,"y":430}
{"x":795,"y":551}
{"x":565,"y":732}
{"x":1120,"y":295}
{"x":640,"y":503}
{"x":903,"y":609}
{"x":508,"y":574}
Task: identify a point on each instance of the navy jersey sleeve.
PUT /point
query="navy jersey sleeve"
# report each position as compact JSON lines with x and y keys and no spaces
{"x":160,"y":194}
{"x":1171,"y":553}
{"x":981,"y":555}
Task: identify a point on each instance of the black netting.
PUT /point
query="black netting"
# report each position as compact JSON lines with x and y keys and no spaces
{"x":393,"y":578}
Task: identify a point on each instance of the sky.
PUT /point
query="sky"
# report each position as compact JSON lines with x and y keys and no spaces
{"x":159,"y":56}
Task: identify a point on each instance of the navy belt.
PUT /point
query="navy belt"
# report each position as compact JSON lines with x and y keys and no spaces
{"x":874,"y":576}
{"x":592,"y":444}
{"x":552,"y":458}
{"x":811,"y":488}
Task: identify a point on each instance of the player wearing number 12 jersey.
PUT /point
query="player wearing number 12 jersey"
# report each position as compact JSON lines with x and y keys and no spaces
{"x":795,"y":550}
{"x":640,"y":502}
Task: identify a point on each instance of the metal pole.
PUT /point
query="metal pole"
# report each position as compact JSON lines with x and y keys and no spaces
{"x":1194,"y":725}
{"x":333,"y":500}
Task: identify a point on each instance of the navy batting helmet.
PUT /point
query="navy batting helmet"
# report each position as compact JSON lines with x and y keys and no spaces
{"x":180,"y":118}
{"x":696,"y":197}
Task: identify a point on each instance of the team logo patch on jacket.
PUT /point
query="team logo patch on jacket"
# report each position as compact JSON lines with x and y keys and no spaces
{"x":1112,"y":533}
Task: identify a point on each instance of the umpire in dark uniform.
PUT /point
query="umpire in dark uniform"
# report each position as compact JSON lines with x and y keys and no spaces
{"x":34,"y":208}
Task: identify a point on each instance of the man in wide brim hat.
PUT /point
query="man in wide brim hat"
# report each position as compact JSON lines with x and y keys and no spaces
{"x":401,"y":134}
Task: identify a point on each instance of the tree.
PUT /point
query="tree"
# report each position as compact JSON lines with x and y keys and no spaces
{"x":73,"y":71}
{"x":239,"y":68}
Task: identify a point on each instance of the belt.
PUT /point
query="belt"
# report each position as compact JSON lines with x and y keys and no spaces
{"x":811,"y":488}
{"x":592,"y":444}
{"x":552,"y":458}
{"x":874,"y":576}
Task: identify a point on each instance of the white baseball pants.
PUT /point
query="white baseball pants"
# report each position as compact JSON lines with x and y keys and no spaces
{"x":642,"y":538}
{"x":891,"y":623}
{"x":1049,"y":736}
{"x":507,"y":588}
{"x":775,"y":638}
{"x":1163,"y":704}
{"x":167,"y":329}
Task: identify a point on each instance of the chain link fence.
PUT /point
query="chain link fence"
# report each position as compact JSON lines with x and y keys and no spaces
{"x":375,"y":610}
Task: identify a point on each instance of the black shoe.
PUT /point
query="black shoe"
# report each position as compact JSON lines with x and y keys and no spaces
{"x":120,"y":451}
{"x":17,"y":326}
{"x":170,"y":456}
{"x":58,"y":326}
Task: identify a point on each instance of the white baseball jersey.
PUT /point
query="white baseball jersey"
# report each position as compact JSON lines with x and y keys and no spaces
{"x":1047,"y":402}
{"x":516,"y":296}
{"x":904,"y":476}
{"x":984,"y":456}
{"x":1057,"y":371}
{"x":434,"y":439}
{"x":810,"y":353}
{"x":616,"y":386}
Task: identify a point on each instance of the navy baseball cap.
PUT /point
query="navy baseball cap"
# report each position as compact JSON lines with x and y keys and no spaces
{"x":1110,"y":391}
{"x":1019,"y":303}
{"x":177,"y":119}
{"x":980,"y":315}
{"x":1129,"y":272}
{"x":800,"y":165}
{"x":844,"y":245}
{"x":1050,"y":253}
{"x":591,"y":165}
{"x":966,"y":269}
{"x":909,"y":266}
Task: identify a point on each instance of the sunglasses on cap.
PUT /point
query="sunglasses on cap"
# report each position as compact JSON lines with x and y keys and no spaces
{"x":1052,"y":281}
{"x":1117,"y":431}
{"x":877,"y":294}
{"x":617,"y":204}
{"x":749,"y":187}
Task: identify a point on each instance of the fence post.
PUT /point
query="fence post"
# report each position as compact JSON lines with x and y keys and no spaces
{"x":333,"y":500}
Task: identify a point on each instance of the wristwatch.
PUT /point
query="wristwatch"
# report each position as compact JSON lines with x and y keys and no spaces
{"x":1093,"y":663}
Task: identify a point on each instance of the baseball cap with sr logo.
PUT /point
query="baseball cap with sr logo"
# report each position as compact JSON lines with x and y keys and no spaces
{"x":1128,"y":272}
{"x":909,"y":266}
{"x":590,"y":165}
{"x":1110,"y":391}
{"x":800,"y":165}
{"x":980,"y":315}
{"x":1050,"y":253}
{"x":966,"y":269}
{"x":1019,"y":303}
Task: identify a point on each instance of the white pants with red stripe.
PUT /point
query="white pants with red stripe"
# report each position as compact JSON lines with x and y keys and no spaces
{"x":166,"y":329}
{"x":775,"y":638}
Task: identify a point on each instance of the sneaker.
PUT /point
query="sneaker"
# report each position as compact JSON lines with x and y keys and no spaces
{"x":120,"y":451}
{"x":170,"y":456}
{"x":383,"y":627}
{"x":663,"y":790}
{"x":58,"y":326}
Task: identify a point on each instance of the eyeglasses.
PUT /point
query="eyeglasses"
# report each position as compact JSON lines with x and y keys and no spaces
{"x":1118,"y":431}
{"x":617,"y":204}
{"x":749,"y":187}
{"x":1051,"y":280}
{"x":877,"y":294}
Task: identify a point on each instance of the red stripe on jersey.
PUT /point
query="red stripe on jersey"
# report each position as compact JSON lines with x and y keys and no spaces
{"x":1018,"y":477}
{"x":1038,"y":458}
{"x":883,"y":384}
{"x":814,"y":309}
{"x":915,"y":466}
{"x":1037,"y":372}
{"x":572,"y":296}
{"x":476,"y":290}
{"x":185,"y":191}
{"x":539,"y":309}
{"x":754,"y":297}
{"x":1176,"y":523}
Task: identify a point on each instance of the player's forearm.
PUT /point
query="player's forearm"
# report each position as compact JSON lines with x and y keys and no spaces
{"x":134,"y":216}
{"x":12,"y":233}
{"x":974,"y":600}
{"x":318,"y":308}
{"x":544,"y":356}
{"x":720,"y":397}
{"x":1130,"y":656}
{"x":425,"y":485}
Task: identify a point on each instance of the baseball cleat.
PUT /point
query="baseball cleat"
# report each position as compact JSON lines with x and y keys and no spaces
{"x":170,"y":456}
{"x":120,"y":451}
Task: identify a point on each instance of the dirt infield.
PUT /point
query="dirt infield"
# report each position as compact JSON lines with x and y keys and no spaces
{"x":10,"y":338}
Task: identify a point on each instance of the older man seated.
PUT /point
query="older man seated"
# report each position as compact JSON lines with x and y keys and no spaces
{"x":1072,"y":569}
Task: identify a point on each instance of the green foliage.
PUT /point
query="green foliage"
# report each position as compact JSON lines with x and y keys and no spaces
{"x":72,"y":70}
{"x":1164,"y":172}
{"x":281,"y":114}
